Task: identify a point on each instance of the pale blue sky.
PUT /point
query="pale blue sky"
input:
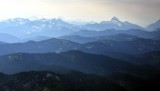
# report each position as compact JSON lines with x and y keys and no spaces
{"x":141,"y":12}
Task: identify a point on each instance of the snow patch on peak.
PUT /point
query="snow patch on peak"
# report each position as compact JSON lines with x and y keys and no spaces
{"x":116,"y":21}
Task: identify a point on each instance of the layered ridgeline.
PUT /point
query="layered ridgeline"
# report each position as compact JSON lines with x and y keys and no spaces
{"x":75,"y":60}
{"x":127,"y":44}
{"x":80,"y":61}
{"x":134,"y":32}
{"x":65,"y":72}
{"x":106,"y":56}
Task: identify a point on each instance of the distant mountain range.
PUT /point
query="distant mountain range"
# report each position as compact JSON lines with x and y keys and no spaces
{"x":23,"y":28}
{"x":115,"y":23}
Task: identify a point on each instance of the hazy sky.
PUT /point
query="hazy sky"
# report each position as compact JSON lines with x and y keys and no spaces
{"x":141,"y":12}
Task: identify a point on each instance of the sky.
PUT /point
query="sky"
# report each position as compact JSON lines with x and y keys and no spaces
{"x":141,"y":12}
